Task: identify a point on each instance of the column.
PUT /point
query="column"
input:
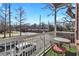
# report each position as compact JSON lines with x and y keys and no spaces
{"x":55,"y":22}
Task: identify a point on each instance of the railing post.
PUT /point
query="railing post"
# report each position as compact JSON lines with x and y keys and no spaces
{"x":5,"y":48}
{"x":55,"y":22}
{"x":20,"y":46}
{"x":15,"y":47}
{"x":44,"y":41}
{"x":30,"y":43}
{"x":26,"y":44}
{"x":10,"y":49}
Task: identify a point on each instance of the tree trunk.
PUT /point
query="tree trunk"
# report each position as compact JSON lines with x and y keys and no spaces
{"x":5,"y":22}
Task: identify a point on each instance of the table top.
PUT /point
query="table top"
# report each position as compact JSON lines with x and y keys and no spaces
{"x":59,"y":39}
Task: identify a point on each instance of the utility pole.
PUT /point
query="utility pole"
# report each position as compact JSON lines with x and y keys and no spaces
{"x":9,"y":20}
{"x":40,"y":22}
{"x":20,"y":21}
{"x":48,"y":25}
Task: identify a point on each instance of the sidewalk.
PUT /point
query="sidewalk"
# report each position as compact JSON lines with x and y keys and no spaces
{"x":17,"y":34}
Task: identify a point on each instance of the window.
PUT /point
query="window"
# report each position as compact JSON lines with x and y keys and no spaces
{"x":23,"y":47}
{"x":17,"y":50}
{"x":34,"y":48}
{"x":13,"y":45}
{"x":29,"y":53}
{"x":2,"y":48}
{"x":8,"y":46}
{"x":26,"y":46}
{"x":29,"y":45}
{"x":24,"y":53}
{"x":20,"y":54}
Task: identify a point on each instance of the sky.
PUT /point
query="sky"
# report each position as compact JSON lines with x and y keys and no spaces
{"x":33,"y":12}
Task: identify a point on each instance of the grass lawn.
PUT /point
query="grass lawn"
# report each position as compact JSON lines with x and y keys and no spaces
{"x":71,"y":52}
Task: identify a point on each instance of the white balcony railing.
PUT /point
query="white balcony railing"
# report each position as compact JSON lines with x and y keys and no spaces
{"x":24,"y":45}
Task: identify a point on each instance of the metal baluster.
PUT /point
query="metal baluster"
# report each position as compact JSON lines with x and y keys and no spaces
{"x":30,"y":43}
{"x":15,"y":47}
{"x":26,"y":44}
{"x":20,"y":48}
{"x":10,"y":48}
{"x":27,"y":47}
{"x":5,"y":48}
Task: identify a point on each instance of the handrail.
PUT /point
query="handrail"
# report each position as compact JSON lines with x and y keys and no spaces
{"x":43,"y":52}
{"x":5,"y":40}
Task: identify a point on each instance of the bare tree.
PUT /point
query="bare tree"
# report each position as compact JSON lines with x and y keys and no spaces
{"x":1,"y":26}
{"x":4,"y":17}
{"x":20,"y":17}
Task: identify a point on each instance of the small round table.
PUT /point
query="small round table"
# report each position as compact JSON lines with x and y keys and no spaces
{"x":62,"y":40}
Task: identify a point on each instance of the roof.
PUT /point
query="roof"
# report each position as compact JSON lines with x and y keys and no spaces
{"x":69,"y":10}
{"x":57,"y":5}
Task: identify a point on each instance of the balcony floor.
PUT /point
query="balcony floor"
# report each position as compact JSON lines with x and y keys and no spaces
{"x":71,"y":52}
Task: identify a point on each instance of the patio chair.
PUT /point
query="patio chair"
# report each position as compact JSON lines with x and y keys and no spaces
{"x":60,"y":50}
